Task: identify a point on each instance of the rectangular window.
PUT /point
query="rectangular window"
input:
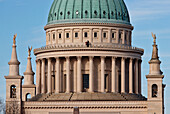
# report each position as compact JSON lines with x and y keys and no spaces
{"x":95,"y":34}
{"x":85,"y":35}
{"x":59,"y":35}
{"x":76,"y":35}
{"x":106,"y":79}
{"x":85,"y":81}
{"x":53,"y":36}
{"x":120,"y":35}
{"x":113,"y":35}
{"x":67,"y":35}
{"x":104,"y":35}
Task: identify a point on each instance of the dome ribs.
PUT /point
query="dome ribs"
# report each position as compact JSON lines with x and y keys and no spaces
{"x":88,"y":11}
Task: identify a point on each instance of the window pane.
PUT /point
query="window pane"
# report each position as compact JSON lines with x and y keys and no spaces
{"x":59,"y":36}
{"x":113,"y":35}
{"x":120,"y":35}
{"x":104,"y":35}
{"x":53,"y":36}
{"x":67,"y":35}
{"x":95,"y":34}
{"x":85,"y":81}
{"x":76,"y":34}
{"x":85,"y":34}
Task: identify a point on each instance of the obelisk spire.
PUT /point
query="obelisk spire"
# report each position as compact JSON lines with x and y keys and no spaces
{"x":155,"y":62}
{"x":155,"y":49}
{"x":14,"y":63}
{"x":29,"y":74}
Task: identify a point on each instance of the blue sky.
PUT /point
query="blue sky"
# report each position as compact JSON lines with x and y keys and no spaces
{"x":28,"y":17}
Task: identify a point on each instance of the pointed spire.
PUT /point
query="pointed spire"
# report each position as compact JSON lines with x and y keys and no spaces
{"x":155,"y":49}
{"x":155,"y":62}
{"x":14,"y":63}
{"x":29,"y":74}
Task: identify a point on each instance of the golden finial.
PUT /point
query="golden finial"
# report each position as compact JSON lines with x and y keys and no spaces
{"x":29,"y":50}
{"x":14,"y":39}
{"x":154,"y":37}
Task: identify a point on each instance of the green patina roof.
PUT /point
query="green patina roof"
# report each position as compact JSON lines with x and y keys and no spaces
{"x":88,"y":11}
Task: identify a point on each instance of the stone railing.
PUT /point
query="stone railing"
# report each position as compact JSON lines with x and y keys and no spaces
{"x":84,"y":46}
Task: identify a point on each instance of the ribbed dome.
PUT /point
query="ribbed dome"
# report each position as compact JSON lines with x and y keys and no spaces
{"x":88,"y":11}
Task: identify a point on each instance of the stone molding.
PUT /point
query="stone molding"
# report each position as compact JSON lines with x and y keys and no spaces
{"x":65,"y":47}
{"x":89,"y":24}
{"x":86,"y":105}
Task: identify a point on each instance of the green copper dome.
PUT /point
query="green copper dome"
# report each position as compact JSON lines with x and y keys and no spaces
{"x":88,"y":11}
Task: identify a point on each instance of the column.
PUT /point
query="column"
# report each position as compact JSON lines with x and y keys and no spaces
{"x":49,"y":89}
{"x":136,"y":76}
{"x":63,"y":36}
{"x":123,"y":37}
{"x":102,"y":74}
{"x":57,"y":75}
{"x":117,"y":36}
{"x":51,"y":38}
{"x":91,"y":88}
{"x":123,"y":75}
{"x":109,"y":36}
{"x":43,"y":76}
{"x":131,"y":75}
{"x":100,"y":34}
{"x":67,"y":74}
{"x":56,"y":36}
{"x":128,"y":38}
{"x":72,"y":35}
{"x":140,"y":61}
{"x":90,"y":36}
{"x":38,"y":78}
{"x":81,"y":35}
{"x":79,"y":75}
{"x":113,"y":81}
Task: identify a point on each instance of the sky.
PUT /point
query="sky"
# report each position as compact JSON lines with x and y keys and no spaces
{"x":27,"y":18}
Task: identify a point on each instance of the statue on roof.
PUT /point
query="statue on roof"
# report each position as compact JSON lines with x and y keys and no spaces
{"x":154,"y":37}
{"x":14,"y":39}
{"x":29,"y":50}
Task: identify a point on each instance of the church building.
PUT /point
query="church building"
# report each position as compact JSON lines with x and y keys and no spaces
{"x":88,"y":65}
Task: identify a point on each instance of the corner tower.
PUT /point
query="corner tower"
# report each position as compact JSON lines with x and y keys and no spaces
{"x":28,"y":88}
{"x":155,"y":83}
{"x":13,"y":84}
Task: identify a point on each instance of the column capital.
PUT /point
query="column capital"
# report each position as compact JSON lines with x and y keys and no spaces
{"x":79,"y":57}
{"x":57,"y":57}
{"x":91,"y":57}
{"x":68,"y":57}
{"x":137,"y":59}
{"x":49,"y":58}
{"x":123,"y":58}
{"x":131,"y":58}
{"x":42,"y":59}
{"x":114,"y":57}
{"x":103,"y":57}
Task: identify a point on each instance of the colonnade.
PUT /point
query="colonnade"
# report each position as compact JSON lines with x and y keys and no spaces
{"x":134,"y":75}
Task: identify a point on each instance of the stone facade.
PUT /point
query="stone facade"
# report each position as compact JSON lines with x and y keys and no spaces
{"x":86,"y":68}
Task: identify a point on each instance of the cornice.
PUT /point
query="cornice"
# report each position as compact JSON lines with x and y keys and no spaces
{"x":88,"y":24}
{"x":83,"y":47}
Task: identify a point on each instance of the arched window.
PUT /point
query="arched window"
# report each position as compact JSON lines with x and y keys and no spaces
{"x":28,"y":96}
{"x":13,"y":91}
{"x":154,"y":90}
